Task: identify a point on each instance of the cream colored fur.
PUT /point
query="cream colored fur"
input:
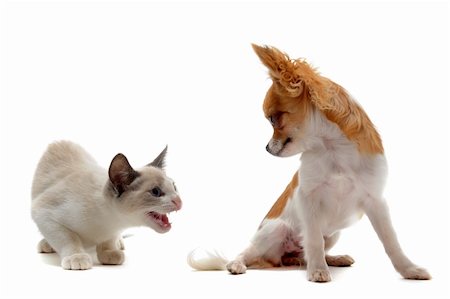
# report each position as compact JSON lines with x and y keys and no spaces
{"x":77,"y":204}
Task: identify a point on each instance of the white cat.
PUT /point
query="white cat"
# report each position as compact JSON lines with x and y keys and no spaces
{"x":77,"y":204}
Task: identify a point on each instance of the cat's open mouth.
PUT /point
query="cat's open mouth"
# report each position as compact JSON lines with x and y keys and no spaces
{"x":160,"y":219}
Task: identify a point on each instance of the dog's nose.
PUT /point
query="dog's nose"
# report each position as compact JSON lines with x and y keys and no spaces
{"x":267,"y":148}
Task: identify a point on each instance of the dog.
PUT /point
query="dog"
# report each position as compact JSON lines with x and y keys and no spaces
{"x":341,"y":177}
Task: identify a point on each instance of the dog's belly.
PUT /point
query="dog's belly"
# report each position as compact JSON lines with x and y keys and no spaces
{"x":338,"y":206}
{"x":277,"y":237}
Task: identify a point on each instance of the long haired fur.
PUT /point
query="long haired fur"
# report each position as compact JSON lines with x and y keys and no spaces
{"x":341,"y":176}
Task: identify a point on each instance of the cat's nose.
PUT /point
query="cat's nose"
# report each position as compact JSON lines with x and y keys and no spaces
{"x":177,"y":202}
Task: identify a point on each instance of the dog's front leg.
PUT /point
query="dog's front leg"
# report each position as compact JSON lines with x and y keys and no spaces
{"x":317,"y":268}
{"x":378,"y":213}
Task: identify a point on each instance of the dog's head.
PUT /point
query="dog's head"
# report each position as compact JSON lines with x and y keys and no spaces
{"x":297,"y":93}
{"x":289,"y":101}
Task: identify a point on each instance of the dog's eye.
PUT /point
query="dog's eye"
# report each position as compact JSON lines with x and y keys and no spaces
{"x":275,"y":119}
{"x":272,"y":121}
{"x":156,"y":192}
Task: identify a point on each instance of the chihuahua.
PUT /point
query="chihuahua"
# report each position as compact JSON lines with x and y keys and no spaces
{"x":341,"y":177}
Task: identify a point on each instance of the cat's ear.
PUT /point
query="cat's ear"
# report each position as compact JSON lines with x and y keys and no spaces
{"x":121,"y":174}
{"x":160,"y":161}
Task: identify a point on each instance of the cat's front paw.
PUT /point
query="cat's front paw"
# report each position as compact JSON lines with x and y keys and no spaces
{"x":236,"y":267}
{"x":77,"y":261}
{"x":111,"y":257}
{"x":415,"y":272}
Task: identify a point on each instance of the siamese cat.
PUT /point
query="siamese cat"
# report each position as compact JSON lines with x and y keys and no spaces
{"x":77,"y":204}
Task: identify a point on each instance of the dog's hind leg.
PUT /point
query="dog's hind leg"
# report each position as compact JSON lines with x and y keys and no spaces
{"x":265,"y":248}
{"x":240,"y":263}
{"x":336,"y":260}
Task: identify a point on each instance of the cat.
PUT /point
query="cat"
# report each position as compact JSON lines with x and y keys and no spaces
{"x":77,"y":204}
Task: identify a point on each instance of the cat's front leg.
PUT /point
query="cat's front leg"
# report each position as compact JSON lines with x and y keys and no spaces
{"x":110,"y":252}
{"x":66,"y":243}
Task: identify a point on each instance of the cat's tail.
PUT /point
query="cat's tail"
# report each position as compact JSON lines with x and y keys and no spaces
{"x":205,"y":260}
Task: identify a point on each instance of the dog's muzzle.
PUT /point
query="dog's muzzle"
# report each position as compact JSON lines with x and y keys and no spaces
{"x":275,"y":147}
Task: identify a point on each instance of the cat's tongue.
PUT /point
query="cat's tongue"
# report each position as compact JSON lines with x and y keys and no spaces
{"x":161,"y":219}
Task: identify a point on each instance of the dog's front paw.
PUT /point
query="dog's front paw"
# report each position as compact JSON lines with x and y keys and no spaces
{"x":415,"y":272}
{"x":236,"y":267}
{"x":111,"y":257}
{"x":77,"y":261}
{"x":319,"y":275}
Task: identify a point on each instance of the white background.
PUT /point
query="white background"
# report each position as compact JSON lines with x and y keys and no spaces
{"x":132,"y":77}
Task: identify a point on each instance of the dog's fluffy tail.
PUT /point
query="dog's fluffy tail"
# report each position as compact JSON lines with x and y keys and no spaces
{"x":205,"y":260}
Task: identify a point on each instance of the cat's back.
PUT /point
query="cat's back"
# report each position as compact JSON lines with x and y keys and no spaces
{"x":61,"y":159}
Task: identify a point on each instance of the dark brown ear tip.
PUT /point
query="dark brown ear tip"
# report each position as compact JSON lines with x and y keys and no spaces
{"x":119,"y":159}
{"x":121,"y":174}
{"x":119,"y":156}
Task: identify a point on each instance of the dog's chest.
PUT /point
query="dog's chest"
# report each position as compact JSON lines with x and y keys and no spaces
{"x":341,"y":184}
{"x":335,"y":187}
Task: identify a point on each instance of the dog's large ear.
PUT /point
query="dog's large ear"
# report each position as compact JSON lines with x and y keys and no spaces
{"x":293,"y":76}
{"x":121,"y":174}
{"x":160,"y":161}
{"x":271,"y":57}
{"x":282,"y":69}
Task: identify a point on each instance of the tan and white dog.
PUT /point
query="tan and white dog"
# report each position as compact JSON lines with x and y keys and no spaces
{"x":341,"y":177}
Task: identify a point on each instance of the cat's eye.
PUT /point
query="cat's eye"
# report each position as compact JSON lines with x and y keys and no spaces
{"x":156,"y":192}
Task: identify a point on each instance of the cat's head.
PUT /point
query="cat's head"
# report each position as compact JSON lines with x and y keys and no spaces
{"x":145,"y":195}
